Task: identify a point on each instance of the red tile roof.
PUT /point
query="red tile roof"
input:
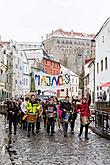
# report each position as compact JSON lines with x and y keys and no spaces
{"x":72,"y":34}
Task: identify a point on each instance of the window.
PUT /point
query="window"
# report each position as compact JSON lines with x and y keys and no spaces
{"x":106,"y":63}
{"x":88,"y":52}
{"x":97,"y":67}
{"x":62,"y":90}
{"x":66,"y":42}
{"x":7,"y":78}
{"x":76,"y":89}
{"x":72,"y":80}
{"x":46,"y":61}
{"x":26,"y":81}
{"x":58,"y":42}
{"x":70,"y":42}
{"x":88,"y":44}
{"x":100,"y":88}
{"x":97,"y":88}
{"x":63,"y":42}
{"x":76,"y":81}
{"x":72,"y":89}
{"x":97,"y":95}
{"x":103,"y":39}
{"x":1,"y":71}
{"x":101,"y":65}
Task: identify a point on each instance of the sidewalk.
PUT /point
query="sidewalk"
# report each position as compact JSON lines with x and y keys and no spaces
{"x":4,"y":155}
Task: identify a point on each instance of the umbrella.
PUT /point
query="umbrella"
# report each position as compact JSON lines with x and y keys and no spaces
{"x":105,"y":85}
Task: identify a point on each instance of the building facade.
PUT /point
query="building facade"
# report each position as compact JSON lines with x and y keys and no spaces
{"x":102,"y":63}
{"x":73,"y":88}
{"x":70,"y":48}
{"x":51,"y":67}
{"x":89,"y":79}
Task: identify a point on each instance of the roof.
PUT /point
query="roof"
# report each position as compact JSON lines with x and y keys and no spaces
{"x":4,"y":42}
{"x":91,"y":62}
{"x":107,"y":20}
{"x":71,"y":34}
{"x":50,"y":57}
{"x":64,"y":69}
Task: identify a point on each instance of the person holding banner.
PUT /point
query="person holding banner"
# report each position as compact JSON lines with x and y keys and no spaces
{"x":31,"y":114}
{"x":51,"y":114}
{"x":83,"y":108}
{"x":66,"y":108}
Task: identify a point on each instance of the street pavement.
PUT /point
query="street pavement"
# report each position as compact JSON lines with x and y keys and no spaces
{"x":43,"y":149}
{"x":4,"y":155}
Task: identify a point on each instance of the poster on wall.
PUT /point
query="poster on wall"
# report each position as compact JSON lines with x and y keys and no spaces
{"x":44,"y":81}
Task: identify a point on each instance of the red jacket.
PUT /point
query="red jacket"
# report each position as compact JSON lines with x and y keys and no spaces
{"x":83,"y":109}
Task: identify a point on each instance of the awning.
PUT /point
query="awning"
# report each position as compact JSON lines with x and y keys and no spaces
{"x":105,"y":85}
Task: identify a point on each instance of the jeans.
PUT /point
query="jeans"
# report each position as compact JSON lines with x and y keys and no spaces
{"x":72,"y":124}
{"x":38,"y":125}
{"x":12,"y":120}
{"x":29,"y":127}
{"x":50,"y":123}
{"x":65,"y":128}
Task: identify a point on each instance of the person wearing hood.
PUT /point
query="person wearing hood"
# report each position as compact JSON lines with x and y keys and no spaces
{"x":12,"y":116}
{"x":31,"y":108}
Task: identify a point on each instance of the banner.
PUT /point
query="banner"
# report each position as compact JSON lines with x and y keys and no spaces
{"x":50,"y":82}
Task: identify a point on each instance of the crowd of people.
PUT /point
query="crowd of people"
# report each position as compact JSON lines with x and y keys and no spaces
{"x":28,"y":113}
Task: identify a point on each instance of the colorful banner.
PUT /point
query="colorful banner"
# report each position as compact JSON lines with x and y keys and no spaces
{"x":49,"y":82}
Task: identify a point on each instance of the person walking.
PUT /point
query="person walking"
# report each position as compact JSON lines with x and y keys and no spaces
{"x":73,"y":115}
{"x":59,"y":113}
{"x":39,"y":110}
{"x":12,"y":116}
{"x":51,"y":114}
{"x":31,"y":108}
{"x":83,"y":108}
{"x":23,"y":113}
{"x":65,"y":107}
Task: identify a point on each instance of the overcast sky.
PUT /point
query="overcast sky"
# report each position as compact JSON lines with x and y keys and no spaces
{"x":28,"y":20}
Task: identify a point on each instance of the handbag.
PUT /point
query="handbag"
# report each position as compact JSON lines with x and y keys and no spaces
{"x":84,"y":120}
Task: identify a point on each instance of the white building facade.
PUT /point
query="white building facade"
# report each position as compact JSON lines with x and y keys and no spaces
{"x":91,"y":85}
{"x":73,"y":88}
{"x":102,"y":63}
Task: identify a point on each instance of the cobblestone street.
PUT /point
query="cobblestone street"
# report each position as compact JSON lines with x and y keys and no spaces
{"x":43,"y":149}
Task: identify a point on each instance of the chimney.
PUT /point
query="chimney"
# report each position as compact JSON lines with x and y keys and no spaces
{"x":46,"y":36}
{"x":41,"y":38}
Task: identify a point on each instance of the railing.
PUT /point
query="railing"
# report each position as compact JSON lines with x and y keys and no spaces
{"x":102,"y":122}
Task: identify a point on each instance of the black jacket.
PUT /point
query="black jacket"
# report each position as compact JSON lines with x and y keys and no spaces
{"x":13,"y":111}
{"x":66,"y":106}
